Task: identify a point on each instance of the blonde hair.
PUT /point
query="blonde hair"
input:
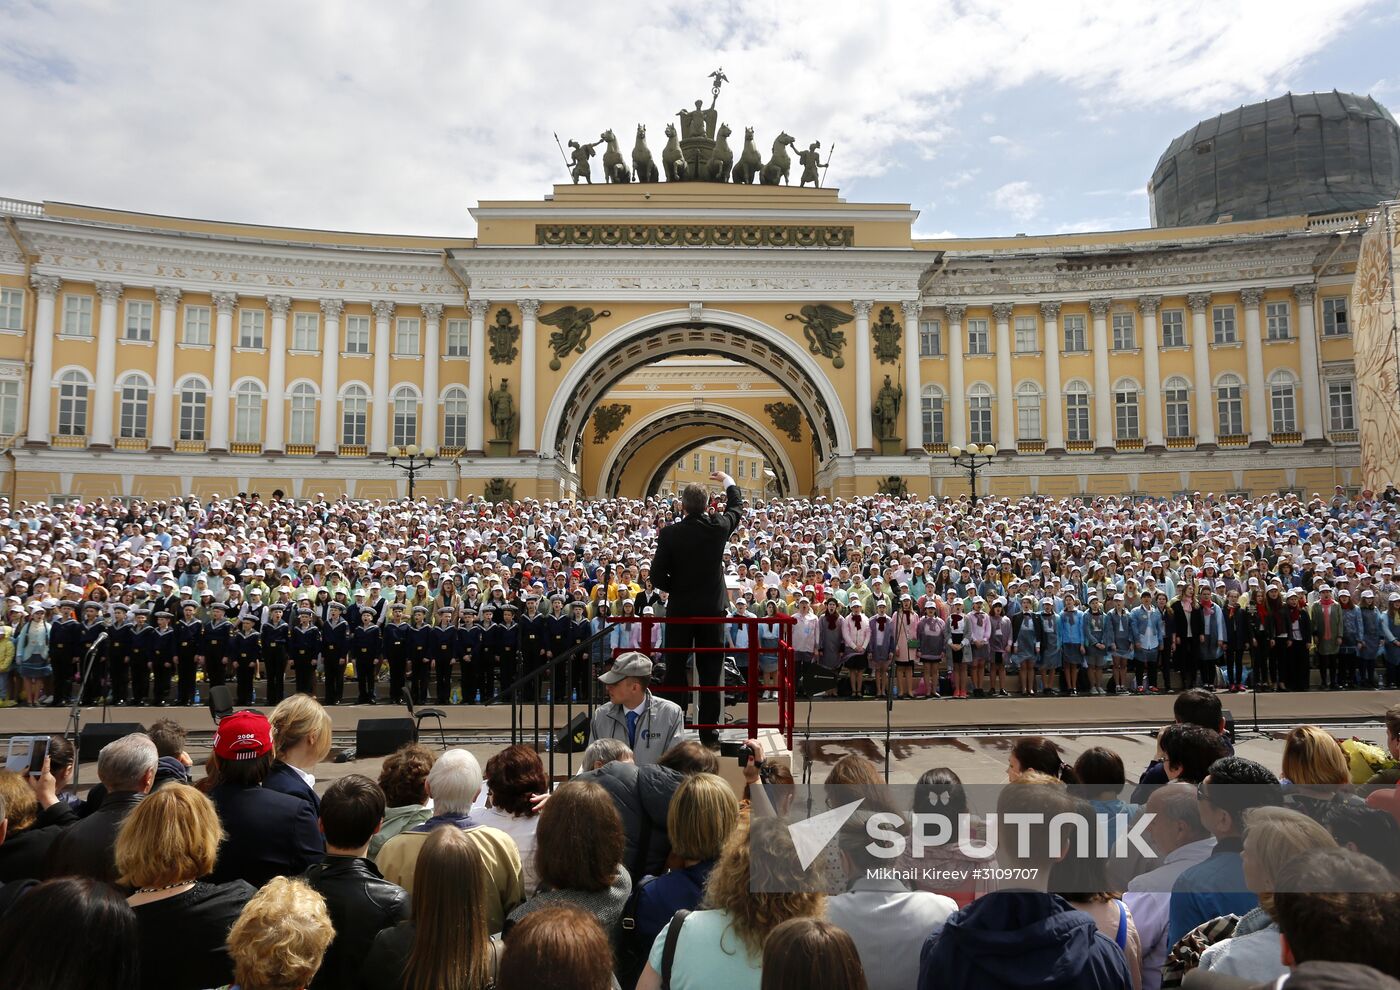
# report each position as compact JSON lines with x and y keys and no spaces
{"x":759,"y":857}
{"x":172,"y":836}
{"x":702,"y":815}
{"x":1275,"y":837}
{"x":281,"y":936}
{"x":18,"y":800}
{"x":1312,"y":757}
{"x":298,"y":717}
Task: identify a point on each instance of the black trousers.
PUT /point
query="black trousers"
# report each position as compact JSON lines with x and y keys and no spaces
{"x":444,"y":679}
{"x":335,"y":679}
{"x":62,"y":660}
{"x":305,"y":671}
{"x":1234,"y":663}
{"x":140,"y":679}
{"x":398,"y":667}
{"x":365,"y":670}
{"x":243,"y":674}
{"x":1298,"y":675}
{"x":422,"y":677}
{"x":708,"y":665}
{"x":119,"y":671}
{"x":1188,"y":662}
{"x":97,"y":679}
{"x":275,"y":673}
{"x":160,"y":681}
{"x":214,"y":671}
{"x":185,"y":692}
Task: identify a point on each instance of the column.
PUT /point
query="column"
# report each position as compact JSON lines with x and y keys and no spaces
{"x":529,"y":308}
{"x":865,"y":431}
{"x":274,"y":431}
{"x":957,"y":390}
{"x":1258,"y":391}
{"x":224,"y":303}
{"x":379,"y":400}
{"x":476,"y":377}
{"x":1103,"y":385}
{"x":163,"y":422}
{"x":913,"y":378}
{"x":41,"y":370}
{"x":1313,"y":432}
{"x":1006,"y":398}
{"x":1151,"y":371}
{"x":432,"y":356}
{"x":1199,"y":302}
{"x":1054,"y":390}
{"x":105,"y":373}
{"x":329,"y":440}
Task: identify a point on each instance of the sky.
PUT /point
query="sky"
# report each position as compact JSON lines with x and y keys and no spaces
{"x":990,"y":118}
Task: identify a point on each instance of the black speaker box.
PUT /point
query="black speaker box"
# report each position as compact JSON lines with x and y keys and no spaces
{"x":382,"y":736}
{"x":574,"y":738}
{"x":220,"y":701}
{"x":93,"y":737}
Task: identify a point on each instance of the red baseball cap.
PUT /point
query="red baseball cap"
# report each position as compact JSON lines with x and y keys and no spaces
{"x":243,"y":736}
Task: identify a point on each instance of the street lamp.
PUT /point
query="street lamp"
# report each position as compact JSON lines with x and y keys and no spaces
{"x":972,"y":457}
{"x":411,"y":460}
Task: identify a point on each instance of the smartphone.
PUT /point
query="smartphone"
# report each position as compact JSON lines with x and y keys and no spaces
{"x":38,"y":753}
{"x":26,"y":754}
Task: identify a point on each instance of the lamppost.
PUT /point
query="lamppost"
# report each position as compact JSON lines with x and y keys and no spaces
{"x":411,"y":460}
{"x":971,"y":458}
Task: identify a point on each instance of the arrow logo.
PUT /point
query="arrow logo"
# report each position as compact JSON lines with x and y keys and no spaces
{"x":810,"y":836}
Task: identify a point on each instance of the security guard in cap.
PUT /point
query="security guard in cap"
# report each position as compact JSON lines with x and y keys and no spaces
{"x":366,"y":649}
{"x":119,"y":642}
{"x":188,"y":635}
{"x":397,"y":647}
{"x":163,"y":656}
{"x":304,"y":645}
{"x":335,"y":651}
{"x":214,"y":644}
{"x":420,"y":653}
{"x":275,"y":636}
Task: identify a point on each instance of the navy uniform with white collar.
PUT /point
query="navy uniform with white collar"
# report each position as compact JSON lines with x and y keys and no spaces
{"x":214,"y":644}
{"x":246,"y":651}
{"x":397,"y":648}
{"x":366,"y":648}
{"x":142,"y":639}
{"x":189,"y":632}
{"x":275,"y":634}
{"x":304,"y":646}
{"x":164,"y":649}
{"x":445,"y":654}
{"x":119,"y":658}
{"x":420,"y":653}
{"x":335,"y":651}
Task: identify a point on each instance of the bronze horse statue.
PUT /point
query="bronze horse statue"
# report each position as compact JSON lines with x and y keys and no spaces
{"x":614,"y":167}
{"x":778,"y":165}
{"x":750,"y":161}
{"x":643,"y":167}
{"x":721,"y":158}
{"x":671,"y":159}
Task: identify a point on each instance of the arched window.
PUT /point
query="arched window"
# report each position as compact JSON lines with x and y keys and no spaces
{"x":135,"y":408}
{"x":1077,"y":412}
{"x":73,"y":404}
{"x":303,"y":420}
{"x":1125,"y":409}
{"x":1283,"y":402}
{"x":931,"y":410}
{"x":1028,"y":411}
{"x":454,"y":417}
{"x":194,"y":409}
{"x":405,"y":416}
{"x":1229,"y":404}
{"x":1176,"y":392}
{"x":354,"y":414}
{"x":247,"y":413}
{"x":979,"y":414}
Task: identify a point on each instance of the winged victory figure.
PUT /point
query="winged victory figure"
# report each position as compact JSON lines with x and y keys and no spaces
{"x":819,"y":322}
{"x":575,"y":323}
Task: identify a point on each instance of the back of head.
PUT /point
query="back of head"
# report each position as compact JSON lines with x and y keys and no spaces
{"x":1338,"y":906}
{"x":694,"y":500}
{"x":1191,"y":749}
{"x":1100,"y":770}
{"x":449,"y":913}
{"x":601,"y":752}
{"x":169,"y":736}
{"x":514,"y":776}
{"x":1236,"y":785}
{"x":1369,"y":831}
{"x":557,"y":947}
{"x":171,"y":837}
{"x":351,"y":811}
{"x":297,"y":719}
{"x":690,"y":757}
{"x":760,"y":882}
{"x":1197,"y":706}
{"x":1312,"y":757}
{"x":1028,"y":845}
{"x":100,"y":949}
{"x":454,"y":782}
{"x":811,"y":954}
{"x":579,"y":842}
{"x":404,"y":775}
{"x":1274,"y":837}
{"x":280,"y":937}
{"x":1043,"y":755}
{"x":124,"y":762}
{"x":21,"y":807}
{"x":702,"y":816}
{"x":940,"y":791}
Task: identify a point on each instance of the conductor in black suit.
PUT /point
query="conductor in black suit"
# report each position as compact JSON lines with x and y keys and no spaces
{"x":689,"y":566}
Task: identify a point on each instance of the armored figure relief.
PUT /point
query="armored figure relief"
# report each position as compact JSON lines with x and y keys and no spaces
{"x":811,"y":161}
{"x":580,"y":155}
{"x":885,"y":413}
{"x":504,"y":418}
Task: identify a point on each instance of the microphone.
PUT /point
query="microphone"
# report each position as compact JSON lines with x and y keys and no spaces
{"x":98,"y":641}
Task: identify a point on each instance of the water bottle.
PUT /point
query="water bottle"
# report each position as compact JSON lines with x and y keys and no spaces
{"x":196,"y":696}
{"x":456,"y":696}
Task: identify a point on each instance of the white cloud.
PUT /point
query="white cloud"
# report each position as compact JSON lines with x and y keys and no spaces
{"x":1018,"y":199}
{"x":961,"y":178}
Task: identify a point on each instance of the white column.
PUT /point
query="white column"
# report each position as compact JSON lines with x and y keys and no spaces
{"x":957,"y":389}
{"x":476,"y":377}
{"x":1307,"y":359}
{"x":529,"y":308}
{"x":1103,"y":385}
{"x":1199,"y":302}
{"x":41,"y":371}
{"x":1259,"y":424}
{"x":105,"y":373}
{"x":432,"y":355}
{"x":380,"y":406}
{"x":913,"y":378}
{"x":865,"y":430}
{"x":329,"y":440}
{"x":1151,"y":369}
{"x":224,"y":303}
{"x":1054,"y":390}
{"x":274,"y":430}
{"x":162,"y":426}
{"x":1006,"y":399}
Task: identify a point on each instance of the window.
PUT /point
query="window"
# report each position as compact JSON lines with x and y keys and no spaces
{"x":1277,"y":314}
{"x":1025,"y":334}
{"x":1225,"y":325}
{"x":136,"y":406}
{"x":1173,"y":328}
{"x":305,"y":331}
{"x":1177,"y":392}
{"x":357,"y":335}
{"x":303,"y":420}
{"x":194,"y":406}
{"x":73,"y":403}
{"x":250,"y":328}
{"x":355,"y":412}
{"x":1340,"y":406}
{"x":696,"y":463}
{"x":11,"y":309}
{"x":196,"y":325}
{"x":930,"y":338}
{"x":77,"y":316}
{"x":755,"y":473}
{"x":9,"y":407}
{"x":1074,"y":333}
{"x":1334,"y":317}
{"x":1028,"y":412}
{"x":458,"y":333}
{"x":979,"y":418}
{"x":405,"y":416}
{"x":727,"y":467}
{"x":1230,"y":405}
{"x":1125,"y":410}
{"x":1124,"y":332}
{"x":1283,"y":402}
{"x":931,"y":409}
{"x":977,"y":336}
{"x":741,"y":467}
{"x":712,"y":463}
{"x":247,"y":413}
{"x":139,"y":316}
{"x":454,"y":418}
{"x":406,"y":335}
{"x":1077,"y":410}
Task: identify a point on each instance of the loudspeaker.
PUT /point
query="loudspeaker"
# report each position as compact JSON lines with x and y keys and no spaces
{"x":220,"y":701}
{"x":93,"y":737}
{"x":815,"y":679}
{"x":382,"y":736}
{"x":574,"y":738}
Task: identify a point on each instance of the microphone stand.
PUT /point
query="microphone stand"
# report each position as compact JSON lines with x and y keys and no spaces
{"x":889,"y":716}
{"x":75,"y":714}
